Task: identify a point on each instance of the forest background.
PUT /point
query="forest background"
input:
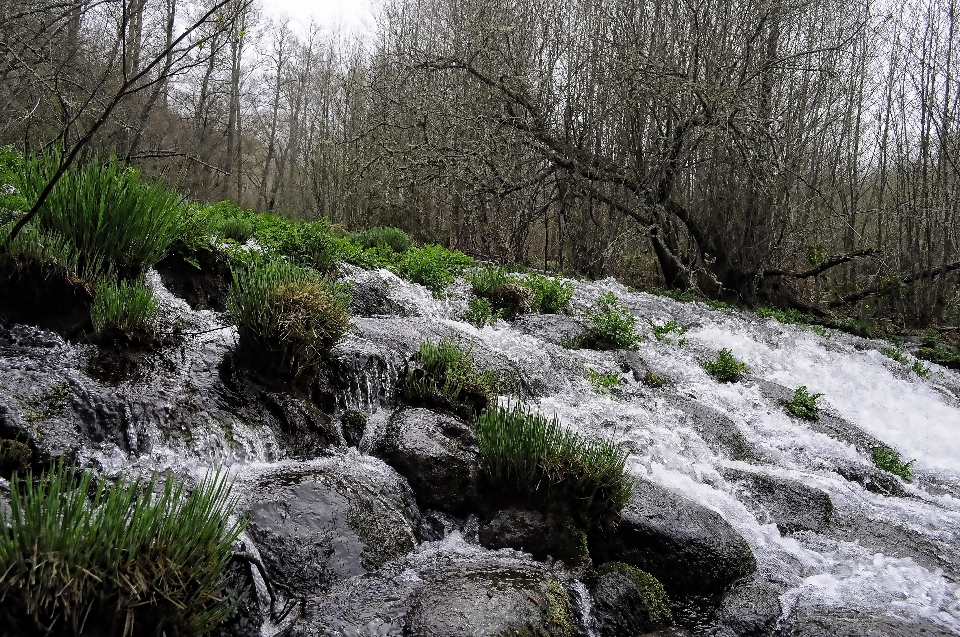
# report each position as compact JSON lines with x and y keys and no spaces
{"x":799,"y":153}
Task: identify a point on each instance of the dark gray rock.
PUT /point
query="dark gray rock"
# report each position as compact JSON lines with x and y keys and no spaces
{"x":832,"y":622}
{"x":540,"y":534}
{"x":791,"y":505}
{"x":749,"y":611}
{"x":354,"y":424}
{"x":445,"y":594}
{"x":871,"y":478}
{"x":627,"y":601}
{"x":328,"y":520}
{"x":689,"y":548}
{"x":552,"y":328}
{"x":437,"y":454}
{"x":371,"y":297}
{"x":717,"y":430}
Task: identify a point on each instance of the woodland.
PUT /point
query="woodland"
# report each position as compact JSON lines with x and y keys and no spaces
{"x":803,"y":154}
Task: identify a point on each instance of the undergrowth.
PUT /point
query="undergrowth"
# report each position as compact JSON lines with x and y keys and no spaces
{"x":610,"y":325}
{"x":725,"y":367}
{"x":432,"y":266}
{"x":126,"y":561}
{"x":555,"y":469}
{"x":480,"y":312}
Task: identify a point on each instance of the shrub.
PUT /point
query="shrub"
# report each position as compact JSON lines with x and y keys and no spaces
{"x":432,"y":266}
{"x":890,"y":460}
{"x":550,"y":295}
{"x":126,"y":307}
{"x":288,"y":313}
{"x":139,"y":563}
{"x":384,"y":237}
{"x":106,"y":211}
{"x":603,"y":383}
{"x":447,"y":375}
{"x":804,"y":405}
{"x":921,"y":370}
{"x":480,"y":312}
{"x":610,"y":325}
{"x":725,"y":368}
{"x":662,"y":332}
{"x":526,"y":453}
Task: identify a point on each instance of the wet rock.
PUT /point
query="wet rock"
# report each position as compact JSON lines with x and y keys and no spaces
{"x":514,"y":299}
{"x":438,"y":456}
{"x":322,"y":522}
{"x":690,"y":549}
{"x":818,"y":621}
{"x":749,"y":611}
{"x":203,"y":282}
{"x":871,"y":478}
{"x":627,"y":601}
{"x":792,"y":505}
{"x":442,"y":593}
{"x":353,"y":424}
{"x":552,"y":328}
{"x":717,"y":430}
{"x":370,"y":296}
{"x":540,"y":534}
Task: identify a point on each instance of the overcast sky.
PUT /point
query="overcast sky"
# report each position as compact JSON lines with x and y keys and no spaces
{"x":347,"y":13}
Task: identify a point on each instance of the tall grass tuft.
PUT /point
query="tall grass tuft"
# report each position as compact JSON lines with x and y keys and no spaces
{"x":287,"y":313}
{"x":383,"y":237}
{"x":128,"y":560}
{"x":550,"y":295}
{"x":447,"y":375}
{"x":552,"y":467}
{"x":127,"y":307}
{"x":106,"y":211}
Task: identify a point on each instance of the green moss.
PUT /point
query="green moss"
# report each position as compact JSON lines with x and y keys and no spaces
{"x":559,"y":610}
{"x":652,"y":595}
{"x":14,"y":456}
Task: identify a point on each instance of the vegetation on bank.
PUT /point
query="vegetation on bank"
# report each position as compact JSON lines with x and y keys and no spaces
{"x":131,"y":559}
{"x":444,"y":374}
{"x":804,"y":404}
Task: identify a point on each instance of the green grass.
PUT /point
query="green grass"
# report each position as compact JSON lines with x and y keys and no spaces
{"x":383,"y":237}
{"x":126,"y":560}
{"x":11,"y":199}
{"x":896,"y":353}
{"x":480,"y":312}
{"x":683,"y":296}
{"x":664,"y":332}
{"x":550,"y":295}
{"x":106,"y":211}
{"x":532,"y":456}
{"x":287,"y":313}
{"x":603,"y":383}
{"x":130,"y":308}
{"x":890,"y":460}
{"x":725,"y":367}
{"x":610,"y":325}
{"x":506,"y":294}
{"x":804,"y":404}
{"x":447,"y":374}
{"x":236,"y":228}
{"x":488,"y":283}
{"x":432,"y":266}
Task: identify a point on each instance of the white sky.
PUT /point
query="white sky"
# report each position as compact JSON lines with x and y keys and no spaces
{"x":352,"y":14}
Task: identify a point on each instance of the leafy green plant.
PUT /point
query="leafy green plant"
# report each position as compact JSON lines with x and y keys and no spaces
{"x":432,"y":266}
{"x":610,"y":325}
{"x":896,"y":353}
{"x":652,"y":379}
{"x":820,"y":331}
{"x":287,"y":313}
{"x":383,"y":236}
{"x":921,"y":370}
{"x":130,"y":308}
{"x":128,"y":560}
{"x":804,"y":404}
{"x":447,"y":375}
{"x":527,"y":454}
{"x":603,"y":383}
{"x":550,"y":295}
{"x":890,"y":460}
{"x":106,"y":211}
{"x":480,"y":312}
{"x":725,"y":367}
{"x":11,"y":199}
{"x":663,"y":332}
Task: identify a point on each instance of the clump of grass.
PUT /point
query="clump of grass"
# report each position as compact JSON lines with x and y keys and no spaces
{"x":446,"y":375}
{"x":610,"y":325}
{"x":127,"y":560}
{"x":384,"y":237}
{"x":480,"y":312}
{"x":236,"y":228}
{"x":896,"y":353}
{"x":536,"y":458}
{"x":725,"y":367}
{"x":505,"y":293}
{"x":603,"y":383}
{"x":131,"y":308}
{"x":890,"y":460}
{"x":804,"y":404}
{"x":288,"y":313}
{"x":432,"y":266}
{"x":663,"y":332}
{"x":106,"y":211}
{"x":550,"y":295}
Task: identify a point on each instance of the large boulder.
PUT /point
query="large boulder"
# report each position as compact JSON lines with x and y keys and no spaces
{"x":817,"y":621}
{"x":749,"y":611}
{"x":627,"y":601}
{"x":791,"y":505}
{"x":445,"y":591}
{"x":689,"y":548}
{"x":716,"y":429}
{"x":321,"y":522}
{"x":540,"y":534}
{"x":438,"y":456}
